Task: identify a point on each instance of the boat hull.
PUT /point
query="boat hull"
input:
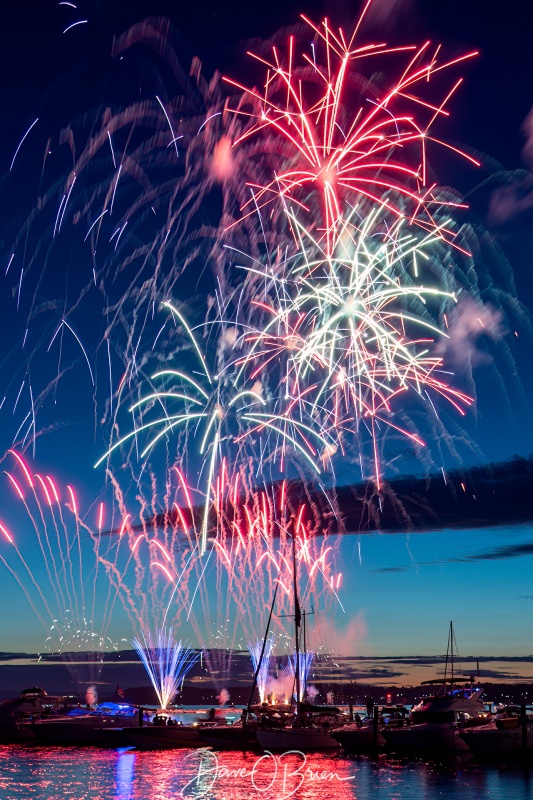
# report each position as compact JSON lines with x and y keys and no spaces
{"x":229,"y":738}
{"x":161,"y":738}
{"x":301,"y":739}
{"x":15,"y":733}
{"x":426,"y":737}
{"x":359,"y":739}
{"x":489,"y":741}
{"x":78,"y":734}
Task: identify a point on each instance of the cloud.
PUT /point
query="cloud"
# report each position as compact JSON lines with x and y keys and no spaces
{"x":511,"y":200}
{"x":507,"y":551}
{"x":501,"y":675}
{"x":349,"y":639}
{"x":496,"y":554}
{"x":514,"y":198}
{"x":468,"y":322}
{"x":527,"y":130}
{"x":378,"y":673}
{"x":402,"y":568}
{"x":383,"y":14}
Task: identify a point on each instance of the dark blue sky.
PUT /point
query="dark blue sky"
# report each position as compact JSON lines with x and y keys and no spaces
{"x":59,"y":77}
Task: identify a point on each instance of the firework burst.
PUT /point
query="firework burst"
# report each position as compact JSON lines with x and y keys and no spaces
{"x":166,"y":661}
{"x":261,"y":665}
{"x":341,"y":137}
{"x":349,"y":335}
{"x":208,"y":403}
{"x":305,"y":660}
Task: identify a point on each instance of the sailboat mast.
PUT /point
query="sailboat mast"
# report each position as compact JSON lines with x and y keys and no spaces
{"x":259,"y":663}
{"x":305,"y":659}
{"x":447,"y":654}
{"x":297,"y":622}
{"x":451,"y":646}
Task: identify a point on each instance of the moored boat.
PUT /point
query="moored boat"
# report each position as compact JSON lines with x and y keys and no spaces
{"x":296,"y":738}
{"x":230,"y":737}
{"x":366,"y":733}
{"x":103,"y":726}
{"x":159,"y":737}
{"x":310,"y":729}
{"x":508,"y":735}
{"x":32,"y":704}
{"x":243,"y":734}
{"x":435,"y":722}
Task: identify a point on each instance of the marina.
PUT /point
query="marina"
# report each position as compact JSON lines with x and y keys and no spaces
{"x":452,"y":719}
{"x":455,"y":722}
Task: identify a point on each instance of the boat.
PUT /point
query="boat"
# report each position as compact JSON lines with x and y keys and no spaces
{"x":309,"y":727}
{"x":30,"y":705}
{"x":310,"y":730}
{"x":164,"y":733}
{"x":508,"y":735}
{"x":239,"y":736}
{"x":104,"y":725}
{"x":435,"y":722}
{"x":366,"y":733}
{"x":303,"y":740}
{"x":242,"y":735}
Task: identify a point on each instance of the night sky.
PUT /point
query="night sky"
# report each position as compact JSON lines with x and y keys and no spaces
{"x":399,"y":590}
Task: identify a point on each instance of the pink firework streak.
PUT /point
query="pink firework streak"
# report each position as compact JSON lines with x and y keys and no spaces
{"x":56,"y":566}
{"x":346,"y":139}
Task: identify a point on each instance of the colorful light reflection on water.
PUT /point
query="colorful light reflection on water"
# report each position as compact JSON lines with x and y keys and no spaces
{"x":89,"y":774}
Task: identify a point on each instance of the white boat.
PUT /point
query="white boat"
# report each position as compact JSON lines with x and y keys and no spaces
{"x":435,"y":723}
{"x":30,"y":705}
{"x":309,"y":727}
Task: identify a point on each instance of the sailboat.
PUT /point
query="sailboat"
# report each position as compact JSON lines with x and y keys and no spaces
{"x":242,"y":735}
{"x":435,"y":722}
{"x":310,"y":727}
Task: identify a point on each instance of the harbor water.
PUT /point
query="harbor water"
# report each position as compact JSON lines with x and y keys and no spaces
{"x":28,"y":773}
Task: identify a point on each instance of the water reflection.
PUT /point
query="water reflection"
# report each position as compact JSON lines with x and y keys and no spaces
{"x":292,"y":774}
{"x":91,"y":774}
{"x":124,"y":773}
